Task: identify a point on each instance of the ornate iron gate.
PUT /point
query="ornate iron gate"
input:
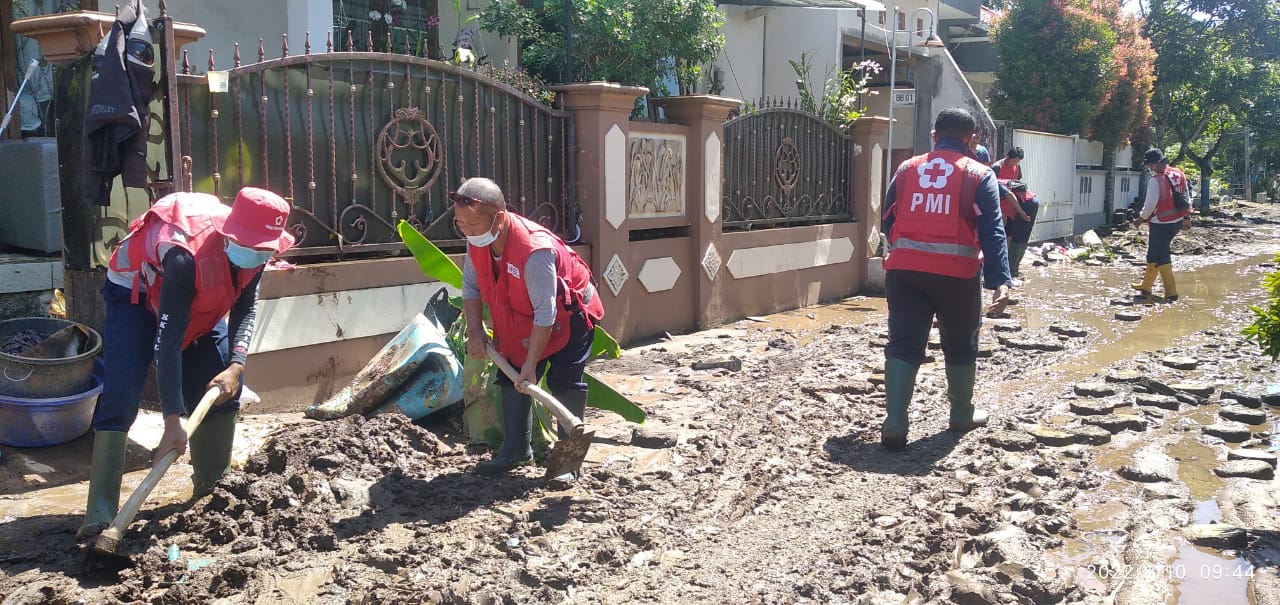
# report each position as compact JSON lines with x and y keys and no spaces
{"x":357,"y":141}
{"x":785,"y":167}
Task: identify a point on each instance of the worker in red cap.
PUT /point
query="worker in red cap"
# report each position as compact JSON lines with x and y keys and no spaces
{"x":185,"y":264}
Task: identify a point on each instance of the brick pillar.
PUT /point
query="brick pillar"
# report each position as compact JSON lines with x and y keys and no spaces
{"x":601,"y":122}
{"x":704,"y":115}
{"x":868,"y":192}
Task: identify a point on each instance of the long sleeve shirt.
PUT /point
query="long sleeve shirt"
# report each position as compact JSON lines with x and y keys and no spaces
{"x":990,"y":224}
{"x":176,"y":295}
{"x":540,"y":281}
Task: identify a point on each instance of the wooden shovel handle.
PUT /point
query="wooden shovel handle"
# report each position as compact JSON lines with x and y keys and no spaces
{"x":131,"y":506}
{"x":562,"y":414}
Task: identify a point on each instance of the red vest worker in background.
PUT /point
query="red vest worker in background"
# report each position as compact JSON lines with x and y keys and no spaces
{"x":542,"y":304}
{"x":1166,"y":220}
{"x":185,"y":264}
{"x":944,"y":225}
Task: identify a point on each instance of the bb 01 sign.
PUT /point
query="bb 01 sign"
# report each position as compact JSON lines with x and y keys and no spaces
{"x":904,"y":96}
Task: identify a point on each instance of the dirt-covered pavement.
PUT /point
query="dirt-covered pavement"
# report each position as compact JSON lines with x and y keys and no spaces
{"x":1119,"y":433}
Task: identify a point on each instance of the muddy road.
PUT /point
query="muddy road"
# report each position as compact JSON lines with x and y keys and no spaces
{"x":1130,"y":460}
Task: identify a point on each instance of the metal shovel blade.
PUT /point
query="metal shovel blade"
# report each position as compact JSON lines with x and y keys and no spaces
{"x":567,"y":454}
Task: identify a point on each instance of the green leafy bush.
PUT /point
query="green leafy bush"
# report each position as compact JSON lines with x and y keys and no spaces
{"x":634,"y":42}
{"x":1265,"y":329}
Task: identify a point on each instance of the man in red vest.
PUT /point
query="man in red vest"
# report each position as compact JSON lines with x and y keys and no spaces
{"x":1166,"y":220}
{"x":186,"y":263}
{"x":542,"y":304}
{"x":1010,"y":168}
{"x":943,"y":219}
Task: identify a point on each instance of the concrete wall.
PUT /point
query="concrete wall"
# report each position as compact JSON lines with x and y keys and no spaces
{"x":759,"y":42}
{"x":227,"y":23}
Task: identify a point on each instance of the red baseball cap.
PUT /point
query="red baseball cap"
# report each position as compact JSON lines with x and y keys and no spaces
{"x":257,"y":220}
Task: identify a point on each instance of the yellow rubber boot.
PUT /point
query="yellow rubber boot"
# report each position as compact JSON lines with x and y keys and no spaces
{"x":1148,"y":280}
{"x":1166,"y":278}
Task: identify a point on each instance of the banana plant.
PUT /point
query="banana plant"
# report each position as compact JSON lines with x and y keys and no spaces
{"x":437,"y":265}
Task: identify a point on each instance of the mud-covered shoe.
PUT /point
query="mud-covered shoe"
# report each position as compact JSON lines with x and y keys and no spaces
{"x":500,"y":464}
{"x":978,"y":419}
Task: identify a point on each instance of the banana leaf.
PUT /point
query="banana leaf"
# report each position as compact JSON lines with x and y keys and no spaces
{"x":433,"y":262}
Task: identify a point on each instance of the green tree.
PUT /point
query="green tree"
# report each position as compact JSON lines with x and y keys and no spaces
{"x":1216,"y":59}
{"x":636,"y":42}
{"x":1055,"y":64}
{"x":1126,"y":105}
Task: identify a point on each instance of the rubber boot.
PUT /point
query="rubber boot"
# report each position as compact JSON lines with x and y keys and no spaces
{"x":210,"y":449}
{"x":105,"y":472}
{"x":1148,"y":280}
{"x":899,"y":384}
{"x":964,"y":417}
{"x":517,"y":424}
{"x":1016,"y":250}
{"x":576,"y":402}
{"x":1166,"y":278}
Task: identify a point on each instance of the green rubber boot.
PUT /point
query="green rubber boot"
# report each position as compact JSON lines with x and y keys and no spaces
{"x":517,"y":425}
{"x":1016,"y":252}
{"x":964,"y":417}
{"x":211,"y":451}
{"x":105,"y":472}
{"x":899,"y":384}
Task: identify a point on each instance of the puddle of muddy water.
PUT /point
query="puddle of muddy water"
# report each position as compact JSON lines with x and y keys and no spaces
{"x":1209,"y":576}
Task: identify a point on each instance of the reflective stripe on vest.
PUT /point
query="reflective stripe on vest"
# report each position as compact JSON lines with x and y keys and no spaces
{"x":935,"y":247}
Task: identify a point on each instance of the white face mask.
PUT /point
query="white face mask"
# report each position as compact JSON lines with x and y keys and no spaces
{"x":484,"y":240}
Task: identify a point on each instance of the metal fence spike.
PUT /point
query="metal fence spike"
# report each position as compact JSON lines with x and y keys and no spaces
{"x":164,"y":8}
{"x":284,"y":45}
{"x":186,"y":63}
{"x":328,"y":42}
{"x":262,"y":51}
{"x":306,"y":46}
{"x":236,"y":58}
{"x":211,"y":66}
{"x":351,"y":43}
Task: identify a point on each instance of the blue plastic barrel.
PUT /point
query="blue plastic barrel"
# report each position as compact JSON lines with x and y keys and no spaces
{"x":45,"y":422}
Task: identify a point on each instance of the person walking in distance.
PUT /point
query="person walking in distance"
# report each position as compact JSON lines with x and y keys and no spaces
{"x":1165,"y":219}
{"x":945,"y":228}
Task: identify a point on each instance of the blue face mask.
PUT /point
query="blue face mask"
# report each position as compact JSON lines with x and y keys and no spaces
{"x":247,"y":258}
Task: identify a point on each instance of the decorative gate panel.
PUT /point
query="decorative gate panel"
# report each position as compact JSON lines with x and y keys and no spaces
{"x":357,"y":141}
{"x":785,"y":167}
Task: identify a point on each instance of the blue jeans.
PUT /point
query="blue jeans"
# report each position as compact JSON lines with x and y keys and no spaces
{"x":1161,"y":238}
{"x":128,"y":341}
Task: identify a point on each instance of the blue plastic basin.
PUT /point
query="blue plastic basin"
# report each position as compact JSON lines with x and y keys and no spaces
{"x":46,"y":422}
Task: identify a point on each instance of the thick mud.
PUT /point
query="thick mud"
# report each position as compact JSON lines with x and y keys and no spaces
{"x":1110,"y":441}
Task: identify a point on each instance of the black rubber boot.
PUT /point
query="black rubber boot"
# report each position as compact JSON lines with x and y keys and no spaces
{"x":517,"y":424}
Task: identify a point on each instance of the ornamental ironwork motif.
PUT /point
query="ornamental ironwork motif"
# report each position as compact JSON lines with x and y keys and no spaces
{"x":409,"y":155}
{"x":657,"y":177}
{"x":786,"y":165}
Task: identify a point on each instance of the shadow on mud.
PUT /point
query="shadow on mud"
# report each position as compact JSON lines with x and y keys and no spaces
{"x":868,"y":456}
{"x":401,"y":498}
{"x":48,"y":543}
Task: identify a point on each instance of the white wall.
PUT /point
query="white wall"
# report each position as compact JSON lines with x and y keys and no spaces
{"x":1049,"y":170}
{"x":245,"y":22}
{"x":741,"y":58}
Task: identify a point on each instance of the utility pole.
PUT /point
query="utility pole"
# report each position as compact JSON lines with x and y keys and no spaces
{"x":1248,"y":183}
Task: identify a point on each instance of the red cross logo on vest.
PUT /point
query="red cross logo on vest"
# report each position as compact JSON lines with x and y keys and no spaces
{"x":934,"y":173}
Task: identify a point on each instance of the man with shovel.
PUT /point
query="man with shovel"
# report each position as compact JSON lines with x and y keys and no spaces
{"x":944,"y":225}
{"x":185,"y":264}
{"x":542,"y":304}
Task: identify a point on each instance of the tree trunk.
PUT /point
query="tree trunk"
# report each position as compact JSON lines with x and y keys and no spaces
{"x":1108,"y":181}
{"x":1206,"y":172}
